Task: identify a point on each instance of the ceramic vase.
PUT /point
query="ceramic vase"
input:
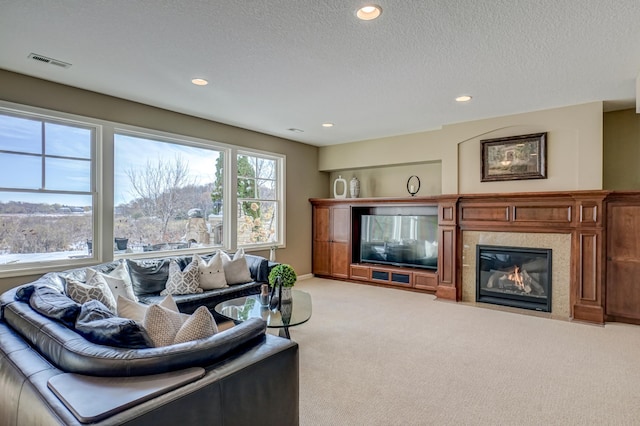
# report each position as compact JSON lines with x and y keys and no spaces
{"x":354,"y":187}
{"x":286,"y":294}
{"x":342,"y":191}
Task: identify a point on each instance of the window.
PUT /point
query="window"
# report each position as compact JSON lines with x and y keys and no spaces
{"x":167,"y":194}
{"x":258,"y":200}
{"x":170,"y":192}
{"x":46,"y":188}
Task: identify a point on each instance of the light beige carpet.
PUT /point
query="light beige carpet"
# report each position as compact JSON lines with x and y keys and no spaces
{"x":378,"y":356}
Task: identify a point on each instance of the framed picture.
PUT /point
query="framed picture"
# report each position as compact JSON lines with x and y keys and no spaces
{"x":514,"y":158}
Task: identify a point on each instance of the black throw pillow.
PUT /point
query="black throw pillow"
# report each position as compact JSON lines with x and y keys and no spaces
{"x":148,"y":276}
{"x":23,"y":294}
{"x":98,"y":324}
{"x":53,"y":304}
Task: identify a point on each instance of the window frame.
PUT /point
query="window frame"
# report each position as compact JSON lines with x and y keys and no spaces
{"x":280,"y":188}
{"x":103,"y":187}
{"x":60,"y":118}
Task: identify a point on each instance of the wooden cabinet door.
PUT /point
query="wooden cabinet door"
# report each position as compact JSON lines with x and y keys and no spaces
{"x":341,"y":224}
{"x":340,"y":260}
{"x":331,"y":241}
{"x":321,"y":224}
{"x":340,"y":241}
{"x":322,"y":258}
{"x":623,"y":262}
{"x":321,"y":242}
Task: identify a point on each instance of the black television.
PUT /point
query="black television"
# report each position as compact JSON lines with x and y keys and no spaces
{"x":400,"y":240}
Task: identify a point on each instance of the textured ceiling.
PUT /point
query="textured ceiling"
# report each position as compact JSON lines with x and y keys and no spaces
{"x":280,"y":64}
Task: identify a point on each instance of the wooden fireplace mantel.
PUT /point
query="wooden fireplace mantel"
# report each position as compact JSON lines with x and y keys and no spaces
{"x":579,"y":213}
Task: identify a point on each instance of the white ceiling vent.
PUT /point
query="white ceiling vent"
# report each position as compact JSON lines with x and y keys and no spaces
{"x":50,"y":61}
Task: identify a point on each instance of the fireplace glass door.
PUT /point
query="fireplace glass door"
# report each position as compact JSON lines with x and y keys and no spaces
{"x":514,"y":276}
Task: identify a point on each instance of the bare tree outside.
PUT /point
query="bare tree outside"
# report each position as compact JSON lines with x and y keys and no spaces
{"x":158,"y":187}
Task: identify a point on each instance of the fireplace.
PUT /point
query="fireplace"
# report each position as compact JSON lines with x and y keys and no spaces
{"x":514,"y":276}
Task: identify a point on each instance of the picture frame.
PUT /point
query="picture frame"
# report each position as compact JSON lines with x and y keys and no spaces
{"x":514,"y":158}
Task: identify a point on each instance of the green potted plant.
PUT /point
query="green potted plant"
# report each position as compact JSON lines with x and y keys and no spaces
{"x":284,"y":277}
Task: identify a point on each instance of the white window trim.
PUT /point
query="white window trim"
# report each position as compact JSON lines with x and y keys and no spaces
{"x":36,"y":268}
{"x":281,"y":166}
{"x":103,"y":189}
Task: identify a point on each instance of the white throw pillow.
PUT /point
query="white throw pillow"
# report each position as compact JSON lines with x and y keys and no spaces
{"x":236,"y":270}
{"x":212,"y":272}
{"x":136,"y":311}
{"x":118,"y":281}
{"x":96,"y":288}
{"x":182,"y":282}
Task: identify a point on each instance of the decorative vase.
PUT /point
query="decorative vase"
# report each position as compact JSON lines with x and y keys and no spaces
{"x":343,"y":182}
{"x":272,"y":254}
{"x":354,"y":187}
{"x":286,"y":295}
{"x":286,"y":310}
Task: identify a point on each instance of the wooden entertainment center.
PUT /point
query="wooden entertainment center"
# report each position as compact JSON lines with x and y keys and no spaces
{"x":604,"y":253}
{"x":336,"y":230}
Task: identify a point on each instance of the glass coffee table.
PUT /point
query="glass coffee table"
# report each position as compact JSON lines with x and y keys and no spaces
{"x":292,"y":314}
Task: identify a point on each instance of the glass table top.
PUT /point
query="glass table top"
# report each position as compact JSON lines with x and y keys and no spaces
{"x":242,"y":308}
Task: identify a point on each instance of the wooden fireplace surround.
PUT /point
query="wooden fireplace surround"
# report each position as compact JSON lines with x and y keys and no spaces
{"x":579,"y":213}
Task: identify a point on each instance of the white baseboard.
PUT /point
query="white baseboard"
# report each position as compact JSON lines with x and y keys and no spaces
{"x":305,"y":277}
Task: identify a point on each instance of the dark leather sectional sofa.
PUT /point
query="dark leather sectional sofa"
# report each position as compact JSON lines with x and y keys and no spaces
{"x":51,"y":375}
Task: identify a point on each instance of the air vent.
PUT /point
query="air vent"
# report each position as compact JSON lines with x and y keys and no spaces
{"x":50,"y":61}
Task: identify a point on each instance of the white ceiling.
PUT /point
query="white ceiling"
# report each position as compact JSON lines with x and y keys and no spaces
{"x":280,"y":64}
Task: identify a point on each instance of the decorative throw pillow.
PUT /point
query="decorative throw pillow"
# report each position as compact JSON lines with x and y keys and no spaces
{"x":23,"y":294}
{"x":118,"y":281}
{"x":99,"y":325}
{"x":166,"y":327}
{"x":211,"y":272}
{"x":95,"y":288}
{"x":199,"y":326}
{"x":53,"y":304}
{"x":148,"y":276}
{"x":136,"y":311}
{"x":182,"y":282}
{"x":236,"y":270}
{"x":162,"y":324}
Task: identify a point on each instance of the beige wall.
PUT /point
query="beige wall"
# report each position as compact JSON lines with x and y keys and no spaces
{"x":304,"y":181}
{"x":621,"y":150}
{"x":574,"y":151}
{"x":391,"y":181}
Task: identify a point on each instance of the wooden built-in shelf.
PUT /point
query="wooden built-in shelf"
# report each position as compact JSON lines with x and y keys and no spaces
{"x":603,"y":272}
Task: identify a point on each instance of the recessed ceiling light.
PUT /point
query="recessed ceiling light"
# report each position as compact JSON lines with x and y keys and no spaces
{"x":199,"y":81}
{"x":369,"y":12}
{"x":327,"y":124}
{"x":463,"y":98}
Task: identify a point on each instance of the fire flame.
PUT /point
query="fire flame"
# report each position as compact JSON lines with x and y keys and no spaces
{"x":516,"y":277}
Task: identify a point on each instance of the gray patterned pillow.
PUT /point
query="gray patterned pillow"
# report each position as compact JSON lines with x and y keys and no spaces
{"x":96,"y":288}
{"x":166,"y":327}
{"x":199,"y":326}
{"x":162,"y":325}
{"x":182,"y":282}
